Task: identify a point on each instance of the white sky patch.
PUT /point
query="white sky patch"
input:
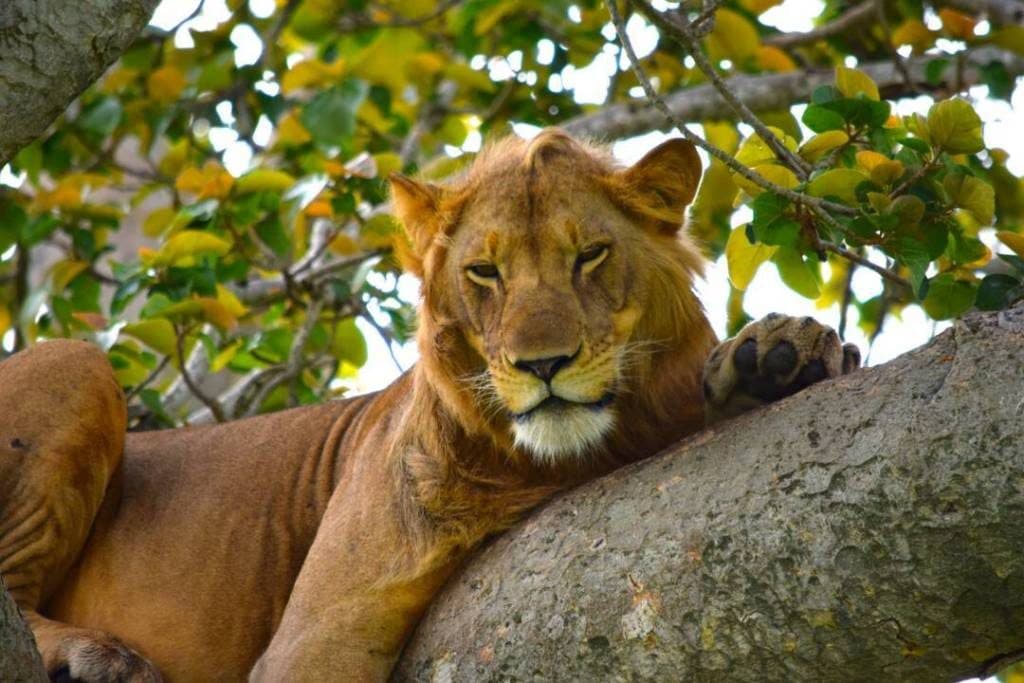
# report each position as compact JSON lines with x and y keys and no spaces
{"x":248,"y":46}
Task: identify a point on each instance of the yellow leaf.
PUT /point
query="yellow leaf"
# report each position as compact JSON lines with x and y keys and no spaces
{"x":231,"y":302}
{"x":64,"y":272}
{"x":188,"y":243}
{"x":174,"y":160}
{"x":118,"y":80}
{"x":1013,"y":240}
{"x":290,"y":132}
{"x":311,"y":73}
{"x":852,"y":82}
{"x":264,"y":179}
{"x":158,"y":222}
{"x":733,"y":37}
{"x":823,"y":143}
{"x":5,"y":320}
{"x":771,"y":58}
{"x":221,"y":360}
{"x":217,"y":313}
{"x":1009,"y":38}
{"x":67,"y":195}
{"x":723,"y":135}
{"x":957,"y":24}
{"x":973,"y":195}
{"x":756,"y":151}
{"x":166,"y":84}
{"x":468,"y":77}
{"x":868,"y":159}
{"x":343,"y":245}
{"x":157,"y":333}
{"x":759,"y":6}
{"x":319,"y":208}
{"x":744,"y":258}
{"x":775,"y":173}
{"x":914,"y":33}
{"x":837,"y":182}
{"x":210,"y":182}
{"x":385,"y":60}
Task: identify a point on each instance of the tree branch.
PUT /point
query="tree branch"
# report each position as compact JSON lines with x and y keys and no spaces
{"x":771,"y":92}
{"x":50,"y":51}
{"x":868,"y":528}
{"x":851,"y":18}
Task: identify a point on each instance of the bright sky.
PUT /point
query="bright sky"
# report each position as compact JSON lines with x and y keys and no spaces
{"x":766,"y":293}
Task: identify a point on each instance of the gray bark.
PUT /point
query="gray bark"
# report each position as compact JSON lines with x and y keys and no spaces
{"x":776,"y":92}
{"x":52,"y":50}
{"x":869,"y":528}
{"x":19,"y":658}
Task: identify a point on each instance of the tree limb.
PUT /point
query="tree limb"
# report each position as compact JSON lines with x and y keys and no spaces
{"x":52,"y":50}
{"x":19,"y":658}
{"x":770,"y":92}
{"x":855,"y":16}
{"x":869,"y":528}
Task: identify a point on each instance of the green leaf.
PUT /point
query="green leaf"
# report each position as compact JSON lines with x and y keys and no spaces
{"x":348,"y":343}
{"x":916,"y":144}
{"x":771,"y":225}
{"x":13,"y":220}
{"x":996,"y":290}
{"x":799,"y":274}
{"x":914,"y":255}
{"x":973,"y":195}
{"x":821,"y":119}
{"x":955,"y":127}
{"x":331,"y":117}
{"x":861,"y":112}
{"x":948,"y":297}
{"x":102,"y":118}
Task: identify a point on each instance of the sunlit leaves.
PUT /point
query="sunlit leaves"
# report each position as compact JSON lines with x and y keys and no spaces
{"x":955,"y":127}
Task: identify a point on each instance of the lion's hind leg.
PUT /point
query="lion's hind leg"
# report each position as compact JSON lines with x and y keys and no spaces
{"x":62,"y":427}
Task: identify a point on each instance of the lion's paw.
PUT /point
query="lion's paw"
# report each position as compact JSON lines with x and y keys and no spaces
{"x":102,"y":659}
{"x":770,"y":359}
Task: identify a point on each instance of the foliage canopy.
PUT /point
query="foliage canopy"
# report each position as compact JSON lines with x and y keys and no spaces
{"x":217,"y":202}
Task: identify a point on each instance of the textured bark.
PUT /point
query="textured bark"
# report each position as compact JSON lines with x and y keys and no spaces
{"x":52,"y":50}
{"x":19,"y":659}
{"x":869,"y":528}
{"x":775,"y":92}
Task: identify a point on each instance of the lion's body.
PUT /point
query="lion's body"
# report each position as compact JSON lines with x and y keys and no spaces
{"x":559,"y":338}
{"x":193,"y":557}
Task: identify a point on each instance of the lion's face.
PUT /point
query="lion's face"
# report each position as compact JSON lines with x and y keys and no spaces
{"x":546,"y":272}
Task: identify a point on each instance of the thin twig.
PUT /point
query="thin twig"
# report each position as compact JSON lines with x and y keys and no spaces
{"x":208,"y":401}
{"x":137,"y":389}
{"x":860,"y":260}
{"x":852,"y":17}
{"x":678,"y":28}
{"x":822,"y":206}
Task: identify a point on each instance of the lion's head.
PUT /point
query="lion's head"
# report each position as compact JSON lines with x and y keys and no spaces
{"x":553,"y":280}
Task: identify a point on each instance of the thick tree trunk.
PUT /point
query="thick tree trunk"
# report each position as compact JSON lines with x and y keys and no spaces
{"x":870,"y":528}
{"x":19,"y":659}
{"x":52,"y":50}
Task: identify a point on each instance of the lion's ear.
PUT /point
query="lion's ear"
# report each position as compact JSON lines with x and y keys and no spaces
{"x":417,"y":206}
{"x":662,"y":184}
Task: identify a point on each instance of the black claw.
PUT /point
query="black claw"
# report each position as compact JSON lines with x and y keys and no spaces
{"x":745,"y":357}
{"x":781,"y":360}
{"x":851,"y":358}
{"x":814,"y":371}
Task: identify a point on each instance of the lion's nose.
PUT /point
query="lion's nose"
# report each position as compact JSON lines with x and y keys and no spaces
{"x":544,"y":368}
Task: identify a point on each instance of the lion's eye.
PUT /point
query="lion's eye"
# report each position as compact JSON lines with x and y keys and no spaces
{"x":591,"y":257}
{"x":482,"y":273}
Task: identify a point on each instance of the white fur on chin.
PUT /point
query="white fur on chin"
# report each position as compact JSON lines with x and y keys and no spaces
{"x":553,"y":435}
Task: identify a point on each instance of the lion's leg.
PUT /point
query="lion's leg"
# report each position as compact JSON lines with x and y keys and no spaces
{"x":62,"y":426}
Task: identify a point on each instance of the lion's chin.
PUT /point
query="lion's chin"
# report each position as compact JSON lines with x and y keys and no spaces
{"x":564,"y":431}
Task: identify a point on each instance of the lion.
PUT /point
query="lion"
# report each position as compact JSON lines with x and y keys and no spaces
{"x":560,"y":338}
